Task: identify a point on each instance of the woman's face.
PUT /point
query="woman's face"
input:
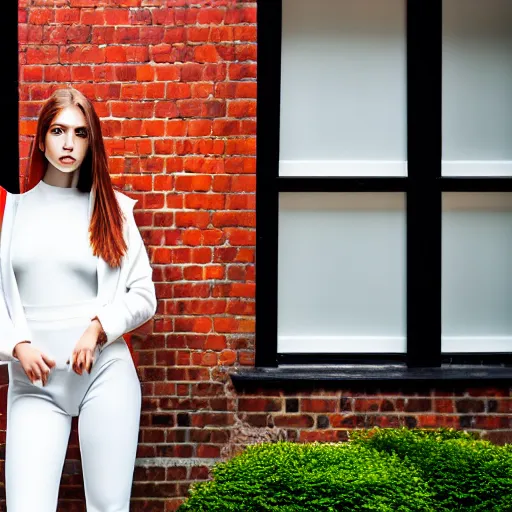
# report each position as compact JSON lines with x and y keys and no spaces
{"x":66,"y":141}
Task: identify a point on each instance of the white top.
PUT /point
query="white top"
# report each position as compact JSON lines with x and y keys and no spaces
{"x":50,"y":252}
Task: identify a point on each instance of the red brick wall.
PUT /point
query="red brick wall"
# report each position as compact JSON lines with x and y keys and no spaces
{"x":175,"y":85}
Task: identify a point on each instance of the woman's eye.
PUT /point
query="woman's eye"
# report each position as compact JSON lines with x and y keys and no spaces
{"x":56,"y":131}
{"x":82,"y":133}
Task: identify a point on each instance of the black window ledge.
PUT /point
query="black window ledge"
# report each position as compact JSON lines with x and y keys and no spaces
{"x":370,"y":374}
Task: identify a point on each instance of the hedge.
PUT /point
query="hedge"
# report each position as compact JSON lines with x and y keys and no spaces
{"x":385,"y":470}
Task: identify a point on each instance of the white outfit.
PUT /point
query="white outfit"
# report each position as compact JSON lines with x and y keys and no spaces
{"x":60,"y":286}
{"x":50,"y":251}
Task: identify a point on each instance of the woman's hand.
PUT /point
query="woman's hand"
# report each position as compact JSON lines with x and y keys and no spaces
{"x":35,"y":364}
{"x":83,"y":354}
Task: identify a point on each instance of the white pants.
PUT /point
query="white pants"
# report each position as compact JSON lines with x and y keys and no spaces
{"x":107,"y":402}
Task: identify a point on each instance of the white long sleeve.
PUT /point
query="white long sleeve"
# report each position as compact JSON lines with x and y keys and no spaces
{"x":137,"y":304}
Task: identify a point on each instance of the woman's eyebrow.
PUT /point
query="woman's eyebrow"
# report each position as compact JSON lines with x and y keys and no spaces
{"x":66,"y":126}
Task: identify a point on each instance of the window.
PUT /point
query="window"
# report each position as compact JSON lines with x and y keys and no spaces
{"x":384,"y":205}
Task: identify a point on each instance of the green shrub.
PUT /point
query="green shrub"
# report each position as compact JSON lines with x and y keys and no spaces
{"x":395,"y":470}
{"x":462,"y":472}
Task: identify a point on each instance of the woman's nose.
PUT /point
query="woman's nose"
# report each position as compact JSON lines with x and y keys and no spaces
{"x":69,"y":141}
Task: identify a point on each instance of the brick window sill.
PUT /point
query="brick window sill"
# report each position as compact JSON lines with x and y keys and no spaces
{"x":370,"y":374}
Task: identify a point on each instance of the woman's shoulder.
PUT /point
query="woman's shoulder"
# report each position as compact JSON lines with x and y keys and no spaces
{"x":126,"y":203}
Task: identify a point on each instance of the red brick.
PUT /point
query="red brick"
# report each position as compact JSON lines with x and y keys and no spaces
{"x":243,"y":184}
{"x":103,"y":35}
{"x":245,"y":52}
{"x":317,"y":405}
{"x":240,"y":15}
{"x":208,"y":451}
{"x":241,"y":202}
{"x":214,"y":73}
{"x":226,"y":51}
{"x":167,"y":72}
{"x":246,"y":146}
{"x":195,"y":324}
{"x":117,"y":16}
{"x":204,"y":165}
{"x":164,"y":182}
{"x":140,"y":182}
{"x":145,"y":73}
{"x":444,"y":406}
{"x":241,"y":236}
{"x":189,"y":108}
{"x":239,"y":307}
{"x":37,"y":34}
{"x":214,"y":272}
{"x":42,"y":55}
{"x":163,"y":16}
{"x":210,"y":16}
{"x":192,"y":219}
{"x":92,"y":17}
{"x":241,"y":71}
{"x":246,"y":358}
{"x":223,"y":127}
{"x":66,"y":16}
{"x":260,"y":404}
{"x":199,"y":128}
{"x":221,"y":34}
{"x":214,"y":108}
{"x":245,"y":33}
{"x":192,"y":273}
{"x":175,"y":128}
{"x":154,"y":91}
{"x":43,"y":16}
{"x":193,"y":183}
{"x":227,"y":325}
{"x":241,"y":108}
{"x":191,"y":72}
{"x":152,"y":128}
{"x":227,"y":357}
{"x":162,"y":53}
{"x":186,"y":16}
{"x":33,"y":73}
{"x":177,"y":90}
{"x":206,"y":53}
{"x":204,"y":359}
{"x":470,"y":406}
{"x":127,"y":35}
{"x":215,"y":342}
{"x":227,"y":218}
{"x":191,"y":290}
{"x":166,"y":109}
{"x":293,"y":421}
{"x":131,"y":127}
{"x":151,"y":35}
{"x":137,"y":54}
{"x":205,"y":201}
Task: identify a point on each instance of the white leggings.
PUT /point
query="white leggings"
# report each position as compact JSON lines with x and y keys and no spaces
{"x":107,"y":402}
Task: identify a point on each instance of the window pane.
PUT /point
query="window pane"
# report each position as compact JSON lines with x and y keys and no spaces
{"x":341,"y":272}
{"x":477,"y":272}
{"x":477,"y":80}
{"x":343,"y":88}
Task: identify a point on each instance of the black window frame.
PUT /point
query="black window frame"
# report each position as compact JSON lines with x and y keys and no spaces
{"x":423,"y":188}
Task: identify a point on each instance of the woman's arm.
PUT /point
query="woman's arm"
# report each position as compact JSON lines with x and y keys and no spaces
{"x":138,"y":304}
{"x":8,"y":336}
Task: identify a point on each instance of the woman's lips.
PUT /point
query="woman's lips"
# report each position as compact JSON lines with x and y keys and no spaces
{"x":67,"y":159}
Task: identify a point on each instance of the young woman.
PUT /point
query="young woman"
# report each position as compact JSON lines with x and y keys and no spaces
{"x":75,"y":277}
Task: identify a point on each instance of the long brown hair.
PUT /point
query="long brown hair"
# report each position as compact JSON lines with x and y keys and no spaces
{"x":106,"y":227}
